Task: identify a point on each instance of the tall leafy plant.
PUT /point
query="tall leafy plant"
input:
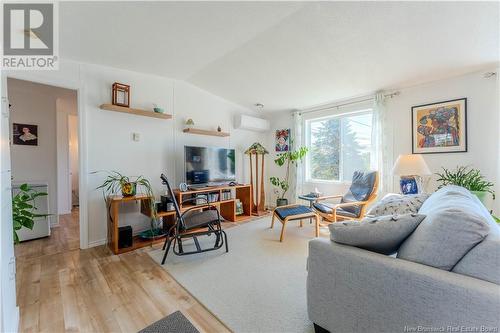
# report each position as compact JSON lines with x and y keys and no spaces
{"x":23,"y":209}
{"x":287,"y":159}
{"x":467,"y":177}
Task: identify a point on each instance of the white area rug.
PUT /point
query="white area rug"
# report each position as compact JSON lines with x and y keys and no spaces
{"x":259,"y":286}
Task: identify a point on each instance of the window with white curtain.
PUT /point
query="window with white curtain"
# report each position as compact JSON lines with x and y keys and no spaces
{"x":338,"y":146}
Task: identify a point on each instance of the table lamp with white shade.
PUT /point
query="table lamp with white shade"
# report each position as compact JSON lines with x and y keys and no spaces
{"x":411,"y":168}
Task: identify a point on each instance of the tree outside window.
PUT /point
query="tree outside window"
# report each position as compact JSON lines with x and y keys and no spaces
{"x":338,"y":145}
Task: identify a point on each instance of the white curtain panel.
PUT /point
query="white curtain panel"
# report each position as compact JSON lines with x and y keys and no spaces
{"x":298,"y":140}
{"x":382,"y":145}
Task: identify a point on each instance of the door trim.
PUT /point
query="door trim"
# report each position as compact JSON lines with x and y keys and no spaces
{"x":82,"y":139}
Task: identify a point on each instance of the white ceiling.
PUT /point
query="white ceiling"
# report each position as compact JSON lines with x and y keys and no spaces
{"x":285,"y":55}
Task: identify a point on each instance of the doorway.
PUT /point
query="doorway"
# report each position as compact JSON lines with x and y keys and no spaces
{"x":44,"y":155}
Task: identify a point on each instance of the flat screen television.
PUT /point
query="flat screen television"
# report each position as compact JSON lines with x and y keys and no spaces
{"x":208,"y":165}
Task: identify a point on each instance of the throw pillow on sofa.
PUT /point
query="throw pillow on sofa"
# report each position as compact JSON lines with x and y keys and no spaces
{"x":398,"y":204}
{"x":444,"y":237}
{"x":380,"y":234}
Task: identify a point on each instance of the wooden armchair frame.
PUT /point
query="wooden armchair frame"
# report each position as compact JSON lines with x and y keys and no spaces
{"x":334,"y":217}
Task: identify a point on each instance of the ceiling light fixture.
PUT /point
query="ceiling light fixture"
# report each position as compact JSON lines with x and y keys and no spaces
{"x":259,"y":105}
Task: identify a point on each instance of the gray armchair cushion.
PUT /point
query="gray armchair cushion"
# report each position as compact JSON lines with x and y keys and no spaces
{"x":398,"y":204}
{"x":381,"y":234}
{"x":444,"y":237}
{"x":361,"y":187}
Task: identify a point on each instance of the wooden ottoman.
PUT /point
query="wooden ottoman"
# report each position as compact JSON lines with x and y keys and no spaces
{"x":293,"y":212}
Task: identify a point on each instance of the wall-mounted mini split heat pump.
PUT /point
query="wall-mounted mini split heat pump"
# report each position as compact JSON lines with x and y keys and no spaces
{"x":251,"y":123}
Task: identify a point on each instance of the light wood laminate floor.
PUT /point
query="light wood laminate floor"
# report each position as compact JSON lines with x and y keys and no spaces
{"x":61,"y":288}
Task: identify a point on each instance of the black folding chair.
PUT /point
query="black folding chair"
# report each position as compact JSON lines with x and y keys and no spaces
{"x":205,"y":217}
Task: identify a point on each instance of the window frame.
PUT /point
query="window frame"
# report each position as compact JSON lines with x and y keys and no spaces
{"x":307,"y":142}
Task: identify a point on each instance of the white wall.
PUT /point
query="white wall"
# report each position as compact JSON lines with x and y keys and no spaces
{"x":108,"y":136}
{"x":209,"y":112}
{"x":483,"y":129}
{"x":110,"y":145}
{"x":278,"y":120}
{"x":36,"y":104}
{"x":482,"y":123}
{"x":73,"y":157}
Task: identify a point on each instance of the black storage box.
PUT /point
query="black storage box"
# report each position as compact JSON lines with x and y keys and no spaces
{"x":166,"y":203}
{"x":125,"y":236}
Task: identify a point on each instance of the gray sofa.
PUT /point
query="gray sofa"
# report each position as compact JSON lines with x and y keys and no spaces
{"x":354,"y":290}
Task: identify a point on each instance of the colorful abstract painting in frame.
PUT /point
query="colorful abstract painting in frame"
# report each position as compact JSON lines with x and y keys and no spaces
{"x":282,"y":140}
{"x":440,"y":127}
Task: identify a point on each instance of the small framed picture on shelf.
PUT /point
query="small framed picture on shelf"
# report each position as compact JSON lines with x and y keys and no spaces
{"x":120,"y":94}
{"x":440,"y":127}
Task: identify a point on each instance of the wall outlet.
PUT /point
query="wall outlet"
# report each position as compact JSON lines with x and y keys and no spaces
{"x":136,"y":136}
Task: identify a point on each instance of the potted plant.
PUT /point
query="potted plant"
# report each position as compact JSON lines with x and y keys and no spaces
{"x":23,"y":207}
{"x":116,"y":183}
{"x":282,"y":185}
{"x":469,"y":178}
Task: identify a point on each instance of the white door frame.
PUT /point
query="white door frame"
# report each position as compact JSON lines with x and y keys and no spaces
{"x":62,"y":123}
{"x":70,"y":165}
{"x":9,"y":311}
{"x":82,"y":140}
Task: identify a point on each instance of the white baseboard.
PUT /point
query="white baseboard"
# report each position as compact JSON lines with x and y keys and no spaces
{"x":97,"y":243}
{"x":54,"y":221}
{"x":15,"y":323}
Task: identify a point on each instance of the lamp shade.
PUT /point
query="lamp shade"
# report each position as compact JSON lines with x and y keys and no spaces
{"x":411,"y":165}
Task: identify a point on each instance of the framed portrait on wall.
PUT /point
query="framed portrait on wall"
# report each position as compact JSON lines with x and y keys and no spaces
{"x":24,"y":134}
{"x":440,"y":127}
{"x":282,"y":140}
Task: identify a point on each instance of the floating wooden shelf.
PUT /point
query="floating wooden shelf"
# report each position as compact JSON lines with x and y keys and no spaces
{"x":204,"y":132}
{"x":139,"y":112}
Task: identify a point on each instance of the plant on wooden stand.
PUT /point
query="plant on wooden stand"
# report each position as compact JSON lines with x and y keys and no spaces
{"x":23,"y":207}
{"x":116,"y":183}
{"x":287,"y":159}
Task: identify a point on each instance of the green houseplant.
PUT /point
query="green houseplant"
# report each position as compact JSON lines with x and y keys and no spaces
{"x":116,"y":183}
{"x":23,"y":207}
{"x":287,"y":159}
{"x":469,"y":178}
